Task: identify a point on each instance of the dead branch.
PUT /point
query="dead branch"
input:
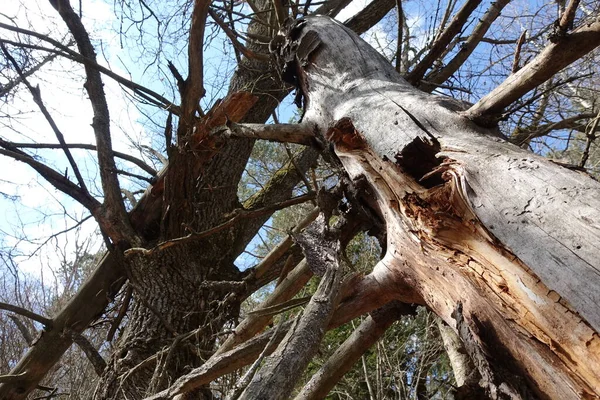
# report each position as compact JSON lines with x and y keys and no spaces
{"x":83,"y":146}
{"x":10,"y":378}
{"x":222,"y":364}
{"x":438,"y":47}
{"x":23,"y":329}
{"x":283,"y":368}
{"x":243,"y":383}
{"x":400,"y":32}
{"x":517,"y":57}
{"x":90,"y":351}
{"x":552,"y":59}
{"x":122,"y":311}
{"x":47,"y":322}
{"x":466,"y":48}
{"x":285,"y":133}
{"x":344,"y":358}
{"x":237,"y":214}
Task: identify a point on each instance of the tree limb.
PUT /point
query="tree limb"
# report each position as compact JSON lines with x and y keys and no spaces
{"x":47,"y":322}
{"x":117,"y":226}
{"x":438,"y":47}
{"x":193,"y":89}
{"x":37,"y":98}
{"x":283,"y":368}
{"x":237,"y":214}
{"x":6,"y":88}
{"x":551,"y":60}
{"x":90,"y":351}
{"x":55,"y":178}
{"x":370,"y":15}
{"x":83,"y":146}
{"x":517,"y":57}
{"x":285,"y":133}
{"x":466,"y":48}
{"x":234,"y":41}
{"x":23,"y":329}
{"x":344,"y":358}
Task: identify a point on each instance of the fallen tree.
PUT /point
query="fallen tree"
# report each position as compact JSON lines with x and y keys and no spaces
{"x":500,"y":243}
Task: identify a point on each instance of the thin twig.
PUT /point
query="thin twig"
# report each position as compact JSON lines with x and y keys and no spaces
{"x":37,"y":98}
{"x":232,"y":36}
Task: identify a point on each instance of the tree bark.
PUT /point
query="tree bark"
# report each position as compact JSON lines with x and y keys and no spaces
{"x":500,"y":243}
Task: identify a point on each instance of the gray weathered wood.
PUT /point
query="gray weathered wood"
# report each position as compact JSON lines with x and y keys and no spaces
{"x":514,"y":234}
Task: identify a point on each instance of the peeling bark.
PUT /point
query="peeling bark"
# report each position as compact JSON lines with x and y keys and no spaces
{"x":470,"y":218}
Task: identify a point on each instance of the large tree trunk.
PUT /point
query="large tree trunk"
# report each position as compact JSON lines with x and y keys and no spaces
{"x":502,"y":244}
{"x":189,"y":284}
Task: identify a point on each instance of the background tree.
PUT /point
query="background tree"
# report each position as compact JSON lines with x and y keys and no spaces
{"x":169,"y":284}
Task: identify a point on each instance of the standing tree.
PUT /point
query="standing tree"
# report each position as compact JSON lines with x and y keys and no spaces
{"x":500,"y":243}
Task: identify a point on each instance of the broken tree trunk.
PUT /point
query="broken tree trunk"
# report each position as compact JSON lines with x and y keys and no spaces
{"x":500,"y":243}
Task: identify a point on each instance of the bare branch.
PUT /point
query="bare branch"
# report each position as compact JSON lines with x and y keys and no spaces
{"x":344,"y":358}
{"x":193,"y":89}
{"x":66,"y":52}
{"x":552,"y":59}
{"x":590,"y":138}
{"x":280,"y":11}
{"x":122,"y":311}
{"x":27,"y":335}
{"x":83,"y":146}
{"x":53,"y":177}
{"x":283,"y":368}
{"x":439,"y":46}
{"x":400,"y":32}
{"x":237,"y":214}
{"x":466,"y":48}
{"x":235,"y":42}
{"x":122,"y":230}
{"x":37,"y":98}
{"x":370,"y":15}
{"x":567,"y":18}
{"x":26,"y":313}
{"x":11,"y":378}
{"x":286,"y":133}
{"x":542,"y":130}
{"x":517,"y":58}
{"x":222,"y":364}
{"x":90,"y":351}
{"x":6,"y":88}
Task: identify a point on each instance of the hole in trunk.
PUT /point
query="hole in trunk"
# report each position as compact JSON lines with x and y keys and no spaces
{"x":420,"y":161}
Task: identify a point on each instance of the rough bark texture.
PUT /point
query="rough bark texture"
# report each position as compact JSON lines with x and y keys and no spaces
{"x":473,"y":222}
{"x":277,"y":378}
